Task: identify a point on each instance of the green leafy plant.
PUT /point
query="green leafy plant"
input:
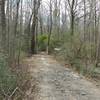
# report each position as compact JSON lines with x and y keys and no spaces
{"x":42,"y":42}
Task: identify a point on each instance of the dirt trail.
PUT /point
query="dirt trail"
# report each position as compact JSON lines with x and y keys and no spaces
{"x":55,"y":82}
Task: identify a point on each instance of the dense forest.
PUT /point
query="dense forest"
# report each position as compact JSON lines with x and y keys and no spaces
{"x":68,"y":29}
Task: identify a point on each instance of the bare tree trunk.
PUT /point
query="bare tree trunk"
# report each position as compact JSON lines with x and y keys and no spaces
{"x":8,"y":26}
{"x":72,"y":15}
{"x":19,"y":37}
{"x":84,"y":20}
{"x":33,"y":40}
{"x":50,"y":27}
{"x":3,"y":24}
{"x":41,"y":24}
{"x":13,"y":56}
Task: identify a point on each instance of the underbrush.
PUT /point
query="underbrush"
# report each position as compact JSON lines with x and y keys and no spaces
{"x":8,"y":80}
{"x":80,"y":54}
{"x":14,"y":81}
{"x":23,"y":82}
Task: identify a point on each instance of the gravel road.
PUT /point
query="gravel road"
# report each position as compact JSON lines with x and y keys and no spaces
{"x":55,"y":82}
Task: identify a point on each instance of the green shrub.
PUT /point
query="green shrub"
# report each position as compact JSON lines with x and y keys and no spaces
{"x":42,"y":42}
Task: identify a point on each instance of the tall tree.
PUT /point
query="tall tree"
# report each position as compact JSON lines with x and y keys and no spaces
{"x":36,"y":4}
{"x":3,"y":23}
{"x":72,"y":6}
{"x":50,"y":26}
